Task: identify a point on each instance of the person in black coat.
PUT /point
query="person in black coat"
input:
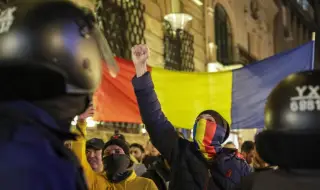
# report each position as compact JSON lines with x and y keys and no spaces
{"x":193,"y":164}
{"x":159,"y":172}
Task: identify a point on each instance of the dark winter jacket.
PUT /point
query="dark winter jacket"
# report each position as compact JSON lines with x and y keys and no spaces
{"x":281,"y":180}
{"x":33,"y":154}
{"x":159,"y":173}
{"x":189,"y":169}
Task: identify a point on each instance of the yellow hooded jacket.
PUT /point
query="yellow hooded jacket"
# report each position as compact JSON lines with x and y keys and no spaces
{"x":98,"y":181}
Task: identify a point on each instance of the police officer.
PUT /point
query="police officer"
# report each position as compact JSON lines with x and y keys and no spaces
{"x":291,"y":136}
{"x":51,"y":55}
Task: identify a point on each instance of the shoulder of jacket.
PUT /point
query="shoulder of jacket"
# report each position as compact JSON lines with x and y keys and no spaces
{"x":101,"y":182}
{"x":239,"y":155}
{"x":143,"y":179}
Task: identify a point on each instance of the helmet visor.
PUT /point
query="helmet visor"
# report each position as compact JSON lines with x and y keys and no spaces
{"x":106,"y":52}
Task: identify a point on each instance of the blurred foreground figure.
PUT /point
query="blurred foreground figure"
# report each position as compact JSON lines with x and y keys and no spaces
{"x":260,"y":165}
{"x":200,"y":164}
{"x":292,"y":117}
{"x":50,"y":64}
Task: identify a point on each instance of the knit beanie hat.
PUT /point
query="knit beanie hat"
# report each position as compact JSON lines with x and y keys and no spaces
{"x":123,"y":144}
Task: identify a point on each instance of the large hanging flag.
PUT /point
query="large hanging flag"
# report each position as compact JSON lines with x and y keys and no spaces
{"x":239,"y":95}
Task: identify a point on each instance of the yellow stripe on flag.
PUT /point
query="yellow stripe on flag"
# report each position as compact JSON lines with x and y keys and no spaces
{"x":199,"y":136}
{"x":183,"y":95}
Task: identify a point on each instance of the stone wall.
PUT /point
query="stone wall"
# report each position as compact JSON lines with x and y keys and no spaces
{"x":255,"y":36}
{"x":155,"y":11}
{"x":197,"y":29}
{"x":298,"y":33}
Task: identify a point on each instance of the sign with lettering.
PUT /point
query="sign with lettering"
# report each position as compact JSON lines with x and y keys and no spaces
{"x":308,"y":99}
{"x":6,"y":19}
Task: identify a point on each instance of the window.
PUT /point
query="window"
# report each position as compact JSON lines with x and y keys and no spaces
{"x":223,"y":36}
{"x":123,"y":24}
{"x":178,"y":49}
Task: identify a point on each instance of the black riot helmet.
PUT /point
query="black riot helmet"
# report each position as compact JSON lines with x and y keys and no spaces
{"x":50,"y":48}
{"x":292,"y":123}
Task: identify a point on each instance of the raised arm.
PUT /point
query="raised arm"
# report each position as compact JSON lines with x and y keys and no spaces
{"x":79,"y":147}
{"x":161,"y":131}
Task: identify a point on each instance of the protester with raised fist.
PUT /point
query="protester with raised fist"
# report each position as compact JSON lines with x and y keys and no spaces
{"x":201,"y":164}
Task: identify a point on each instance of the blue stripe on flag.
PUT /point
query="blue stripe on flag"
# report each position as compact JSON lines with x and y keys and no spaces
{"x":253,"y":83}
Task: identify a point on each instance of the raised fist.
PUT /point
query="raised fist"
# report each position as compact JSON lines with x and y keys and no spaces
{"x":88,"y":113}
{"x":140,"y":55}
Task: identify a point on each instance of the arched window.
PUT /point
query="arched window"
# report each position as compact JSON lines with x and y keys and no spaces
{"x":223,"y":36}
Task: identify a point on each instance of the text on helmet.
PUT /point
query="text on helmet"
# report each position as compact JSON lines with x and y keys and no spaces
{"x":308,"y":99}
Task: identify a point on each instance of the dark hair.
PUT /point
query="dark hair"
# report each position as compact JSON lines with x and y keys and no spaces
{"x":137,"y":146}
{"x":230,"y":142}
{"x":247,"y":146}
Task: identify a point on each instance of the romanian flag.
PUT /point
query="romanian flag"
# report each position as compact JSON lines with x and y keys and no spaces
{"x":238,"y":95}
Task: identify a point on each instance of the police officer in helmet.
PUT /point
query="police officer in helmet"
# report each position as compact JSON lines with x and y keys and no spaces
{"x":291,"y":136}
{"x":51,"y":55}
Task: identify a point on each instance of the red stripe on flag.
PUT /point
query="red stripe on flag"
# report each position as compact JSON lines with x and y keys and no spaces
{"x":115,"y":100}
{"x":208,"y":137}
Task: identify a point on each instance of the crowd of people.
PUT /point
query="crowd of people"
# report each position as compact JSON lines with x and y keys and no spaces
{"x":51,"y":55}
{"x":148,"y":162}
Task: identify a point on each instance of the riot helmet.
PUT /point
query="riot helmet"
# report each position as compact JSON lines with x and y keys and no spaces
{"x":292,"y":122}
{"x":51,"y":48}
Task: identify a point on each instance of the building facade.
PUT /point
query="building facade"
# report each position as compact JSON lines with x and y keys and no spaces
{"x":230,"y":31}
{"x":225,"y":31}
{"x":294,"y":24}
